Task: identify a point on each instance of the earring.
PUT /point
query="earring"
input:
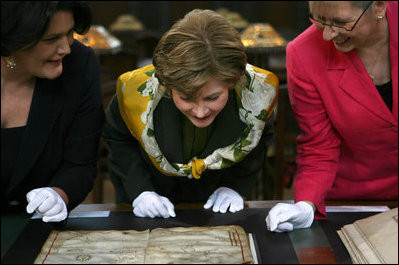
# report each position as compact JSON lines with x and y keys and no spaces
{"x":10,"y":62}
{"x":380,"y":17}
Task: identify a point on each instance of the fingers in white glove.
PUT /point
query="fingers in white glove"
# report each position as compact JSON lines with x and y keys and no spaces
{"x":284,"y":227}
{"x":236,"y":205}
{"x":150,"y":204}
{"x":284,"y":217}
{"x":210,"y":201}
{"x":225,"y":198}
{"x":169,"y":206}
{"x":47,"y":203}
{"x":35,"y":199}
{"x":55,"y":218}
{"x":222,"y":203}
{"x":276,"y":216}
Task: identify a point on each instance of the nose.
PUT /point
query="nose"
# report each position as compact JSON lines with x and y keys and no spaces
{"x":200,"y":111}
{"x":63,"y":47}
{"x":329,"y":33}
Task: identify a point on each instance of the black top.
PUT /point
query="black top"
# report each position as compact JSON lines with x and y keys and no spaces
{"x":11,"y":139}
{"x":132,"y":172}
{"x":385,"y":91}
{"x":60,"y":144}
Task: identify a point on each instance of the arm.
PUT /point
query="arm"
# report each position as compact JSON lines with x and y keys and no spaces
{"x":242,"y":177}
{"x":318,"y":144}
{"x":126,"y":164}
{"x":76,"y":174}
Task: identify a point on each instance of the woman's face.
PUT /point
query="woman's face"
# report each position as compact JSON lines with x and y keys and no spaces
{"x":45,"y":59}
{"x":343,"y":13}
{"x":203,"y":109}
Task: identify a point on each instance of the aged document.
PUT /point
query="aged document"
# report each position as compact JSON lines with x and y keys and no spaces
{"x":373,"y":239}
{"x":210,"y":244}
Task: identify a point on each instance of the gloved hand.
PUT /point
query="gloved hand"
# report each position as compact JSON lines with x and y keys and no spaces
{"x":285,"y":217}
{"x":47,"y":203}
{"x":151,"y":204}
{"x":224,"y":198}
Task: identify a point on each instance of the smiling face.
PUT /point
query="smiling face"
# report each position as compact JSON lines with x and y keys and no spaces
{"x":343,"y":13}
{"x":203,"y":109}
{"x":45,"y":59}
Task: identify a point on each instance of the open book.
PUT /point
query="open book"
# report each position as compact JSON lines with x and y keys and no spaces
{"x":210,"y":244}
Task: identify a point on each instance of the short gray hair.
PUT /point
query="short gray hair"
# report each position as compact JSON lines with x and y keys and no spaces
{"x":359,"y":4}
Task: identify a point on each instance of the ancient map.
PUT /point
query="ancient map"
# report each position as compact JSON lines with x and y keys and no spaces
{"x":210,"y":244}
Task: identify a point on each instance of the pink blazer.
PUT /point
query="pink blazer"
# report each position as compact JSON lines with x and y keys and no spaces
{"x":348,"y":146}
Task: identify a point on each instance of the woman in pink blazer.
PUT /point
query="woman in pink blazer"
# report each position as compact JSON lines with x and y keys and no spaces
{"x":343,"y":86}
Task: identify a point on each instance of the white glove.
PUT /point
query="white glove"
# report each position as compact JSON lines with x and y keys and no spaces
{"x":285,"y":217}
{"x":47,"y":203}
{"x":151,"y":204}
{"x":224,"y":197}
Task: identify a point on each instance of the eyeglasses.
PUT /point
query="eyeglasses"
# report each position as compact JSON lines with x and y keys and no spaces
{"x":321,"y":24}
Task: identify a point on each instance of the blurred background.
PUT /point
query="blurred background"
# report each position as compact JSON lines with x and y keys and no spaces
{"x":125,"y":33}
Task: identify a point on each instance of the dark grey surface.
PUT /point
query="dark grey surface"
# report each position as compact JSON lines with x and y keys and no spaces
{"x":29,"y":244}
{"x":274,"y":248}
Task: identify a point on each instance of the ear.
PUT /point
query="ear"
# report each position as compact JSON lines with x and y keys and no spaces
{"x":379,"y":8}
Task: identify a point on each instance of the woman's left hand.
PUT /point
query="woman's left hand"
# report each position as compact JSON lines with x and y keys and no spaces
{"x":224,"y":198}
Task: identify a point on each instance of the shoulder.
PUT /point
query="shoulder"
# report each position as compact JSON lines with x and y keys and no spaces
{"x":141,"y":74}
{"x":309,"y":44}
{"x":135,"y":79}
{"x":81,"y":72}
{"x":79,"y":57}
{"x":269,"y":77}
{"x":392,"y":16}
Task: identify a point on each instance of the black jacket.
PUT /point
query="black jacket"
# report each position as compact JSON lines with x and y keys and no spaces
{"x":61,"y":138}
{"x":132,"y":172}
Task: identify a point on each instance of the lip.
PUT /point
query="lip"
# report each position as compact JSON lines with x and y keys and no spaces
{"x":203,"y":119}
{"x":56,"y":62}
{"x":341,"y":43}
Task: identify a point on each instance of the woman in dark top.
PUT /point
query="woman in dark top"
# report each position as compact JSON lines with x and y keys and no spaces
{"x":51,"y":108}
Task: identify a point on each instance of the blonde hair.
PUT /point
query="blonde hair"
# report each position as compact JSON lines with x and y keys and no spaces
{"x":201,"y":46}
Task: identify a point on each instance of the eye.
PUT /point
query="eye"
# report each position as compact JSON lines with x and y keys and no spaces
{"x":185,"y":98}
{"x":49,"y":40}
{"x":213,"y":98}
{"x":340,"y":23}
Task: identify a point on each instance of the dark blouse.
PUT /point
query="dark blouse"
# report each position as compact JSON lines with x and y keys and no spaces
{"x":194,"y":139}
{"x":11,"y":139}
{"x":385,"y":91}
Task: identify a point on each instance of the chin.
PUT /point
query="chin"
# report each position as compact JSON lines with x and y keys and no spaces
{"x":203,"y":124}
{"x":344,"y":48}
{"x":53,"y":74}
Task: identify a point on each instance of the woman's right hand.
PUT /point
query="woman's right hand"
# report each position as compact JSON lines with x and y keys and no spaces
{"x":285,"y":217}
{"x":151,"y":204}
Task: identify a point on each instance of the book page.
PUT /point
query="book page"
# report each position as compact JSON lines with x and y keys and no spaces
{"x":185,"y":245}
{"x":94,"y":247}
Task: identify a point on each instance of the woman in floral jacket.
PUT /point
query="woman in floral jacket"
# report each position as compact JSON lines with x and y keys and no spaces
{"x":193,"y":126}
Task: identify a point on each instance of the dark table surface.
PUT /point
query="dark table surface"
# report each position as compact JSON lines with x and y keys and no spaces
{"x":299,"y":246}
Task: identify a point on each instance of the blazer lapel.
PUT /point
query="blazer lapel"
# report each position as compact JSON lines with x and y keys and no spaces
{"x":45,"y":108}
{"x":392,"y":16}
{"x":168,"y":130}
{"x":356,"y":83}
